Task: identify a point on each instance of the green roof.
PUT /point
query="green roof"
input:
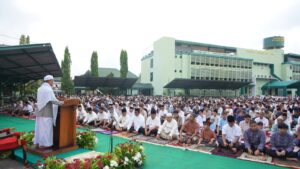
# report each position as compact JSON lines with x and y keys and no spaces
{"x":282,"y":84}
{"x":103,"y":72}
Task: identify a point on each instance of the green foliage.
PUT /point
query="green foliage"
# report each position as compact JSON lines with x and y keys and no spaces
{"x":32,"y":86}
{"x":87,"y":140}
{"x":128,"y":155}
{"x":123,"y":64}
{"x":66,"y":82}
{"x":27,"y":138}
{"x":131,"y":154}
{"x":110,"y":75}
{"x":5,"y":155}
{"x":27,"y":40}
{"x":24,"y":40}
{"x":53,"y":163}
{"x":94,"y":64}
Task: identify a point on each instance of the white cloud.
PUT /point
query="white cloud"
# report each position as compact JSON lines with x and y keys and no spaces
{"x":109,"y":26}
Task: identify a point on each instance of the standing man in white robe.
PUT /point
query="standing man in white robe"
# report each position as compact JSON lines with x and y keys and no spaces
{"x":47,"y":108}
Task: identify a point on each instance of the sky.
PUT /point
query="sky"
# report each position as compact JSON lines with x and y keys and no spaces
{"x":110,"y":26}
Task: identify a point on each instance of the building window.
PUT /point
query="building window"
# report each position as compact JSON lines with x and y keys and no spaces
{"x":151,"y":63}
{"x":175,"y":70}
{"x":151,"y":76}
{"x":180,"y":71}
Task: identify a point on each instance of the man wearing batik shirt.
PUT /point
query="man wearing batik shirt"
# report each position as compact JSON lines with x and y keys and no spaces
{"x":169,"y":129}
{"x":254,"y":139}
{"x":231,"y":133}
{"x":207,"y":136}
{"x":297,"y":142}
{"x":282,"y":143}
{"x":152,"y":124}
{"x":189,"y":131}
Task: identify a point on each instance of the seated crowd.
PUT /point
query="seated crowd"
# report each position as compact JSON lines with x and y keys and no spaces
{"x":257,"y":125}
{"x":20,"y":108}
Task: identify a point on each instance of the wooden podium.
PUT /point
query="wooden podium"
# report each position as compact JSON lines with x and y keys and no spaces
{"x":64,"y":132}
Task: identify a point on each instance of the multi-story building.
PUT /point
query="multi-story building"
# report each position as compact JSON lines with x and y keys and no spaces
{"x":176,"y":67}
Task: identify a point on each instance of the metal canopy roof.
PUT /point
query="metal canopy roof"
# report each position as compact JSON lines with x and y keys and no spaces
{"x":28,"y":62}
{"x":205,"y":84}
{"x":89,"y":81}
{"x":282,"y":84}
{"x":142,"y":86}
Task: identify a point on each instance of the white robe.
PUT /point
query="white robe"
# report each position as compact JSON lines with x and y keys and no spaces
{"x":44,"y":125}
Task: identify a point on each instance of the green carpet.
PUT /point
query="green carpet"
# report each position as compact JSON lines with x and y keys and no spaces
{"x":158,"y":157}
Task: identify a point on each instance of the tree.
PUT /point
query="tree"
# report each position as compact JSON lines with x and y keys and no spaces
{"x":94,"y":64}
{"x":66,"y":82}
{"x":22,"y":40}
{"x":27,"y":40}
{"x":31,"y":86}
{"x":123,"y":64}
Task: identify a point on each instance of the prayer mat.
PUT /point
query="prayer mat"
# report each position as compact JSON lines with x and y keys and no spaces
{"x":85,"y":127}
{"x":29,"y":117}
{"x":159,"y":141}
{"x":103,"y":131}
{"x":226,"y":153}
{"x":125,"y":134}
{"x":206,"y":149}
{"x":287,"y":163}
{"x":261,"y":159}
{"x":141,"y":137}
{"x":175,"y":143}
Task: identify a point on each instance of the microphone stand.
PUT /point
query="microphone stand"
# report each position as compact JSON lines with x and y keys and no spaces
{"x":111,"y":136}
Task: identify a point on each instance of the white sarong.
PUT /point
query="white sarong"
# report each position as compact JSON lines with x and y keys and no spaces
{"x":43,"y":131}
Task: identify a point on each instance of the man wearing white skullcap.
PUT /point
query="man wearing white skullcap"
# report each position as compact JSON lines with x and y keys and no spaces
{"x":47,"y":107}
{"x":169,"y":129}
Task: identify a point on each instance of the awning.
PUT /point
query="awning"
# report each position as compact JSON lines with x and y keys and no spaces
{"x":281,"y":84}
{"x":28,"y":62}
{"x":142,"y":86}
{"x":89,"y":81}
{"x":205,"y":84}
